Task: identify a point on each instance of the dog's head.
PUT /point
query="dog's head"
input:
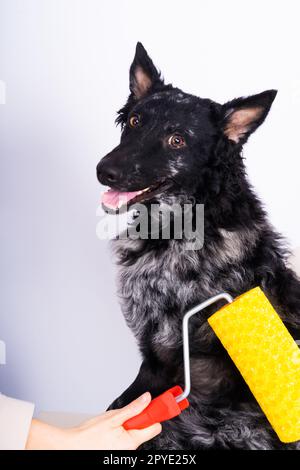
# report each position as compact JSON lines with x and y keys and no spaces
{"x":170,"y":138}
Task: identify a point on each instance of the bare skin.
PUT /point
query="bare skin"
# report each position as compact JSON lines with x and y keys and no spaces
{"x":104,"y":432}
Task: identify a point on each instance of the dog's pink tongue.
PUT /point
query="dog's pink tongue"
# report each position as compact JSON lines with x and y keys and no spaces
{"x":116,"y":199}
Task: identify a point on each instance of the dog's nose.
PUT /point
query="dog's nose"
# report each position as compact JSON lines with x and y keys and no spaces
{"x":107,"y":174}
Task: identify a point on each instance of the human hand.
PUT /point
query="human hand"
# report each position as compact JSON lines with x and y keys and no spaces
{"x":104,"y":432}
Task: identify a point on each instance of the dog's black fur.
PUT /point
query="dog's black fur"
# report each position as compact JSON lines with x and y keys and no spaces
{"x":160,"y":280}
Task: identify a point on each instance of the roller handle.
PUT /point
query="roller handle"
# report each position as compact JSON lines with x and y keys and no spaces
{"x":160,"y":409}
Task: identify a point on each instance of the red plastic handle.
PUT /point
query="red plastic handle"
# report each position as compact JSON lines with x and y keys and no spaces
{"x":160,"y":409}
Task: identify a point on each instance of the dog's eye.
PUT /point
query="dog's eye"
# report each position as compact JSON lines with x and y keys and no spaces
{"x":176,"y":141}
{"x":134,"y":121}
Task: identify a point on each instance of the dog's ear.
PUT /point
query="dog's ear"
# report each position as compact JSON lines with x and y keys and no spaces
{"x":242,"y":116}
{"x":143,"y":75}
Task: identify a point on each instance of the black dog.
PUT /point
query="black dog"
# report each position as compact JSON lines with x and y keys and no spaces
{"x":183,"y":148}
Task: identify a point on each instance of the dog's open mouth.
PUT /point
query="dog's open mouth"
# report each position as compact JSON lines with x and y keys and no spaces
{"x":113,"y":200}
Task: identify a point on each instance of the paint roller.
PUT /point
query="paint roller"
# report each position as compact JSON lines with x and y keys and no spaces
{"x":263,"y":350}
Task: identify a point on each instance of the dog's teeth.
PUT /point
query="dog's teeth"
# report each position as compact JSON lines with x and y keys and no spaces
{"x":141,"y":191}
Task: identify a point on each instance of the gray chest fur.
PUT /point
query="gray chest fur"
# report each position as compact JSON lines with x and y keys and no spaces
{"x":159,"y":287}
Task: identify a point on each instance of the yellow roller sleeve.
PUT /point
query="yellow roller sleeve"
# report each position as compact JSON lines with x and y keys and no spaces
{"x":267,"y":357}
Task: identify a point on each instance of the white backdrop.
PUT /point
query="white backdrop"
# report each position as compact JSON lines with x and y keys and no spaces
{"x":65,"y":64}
